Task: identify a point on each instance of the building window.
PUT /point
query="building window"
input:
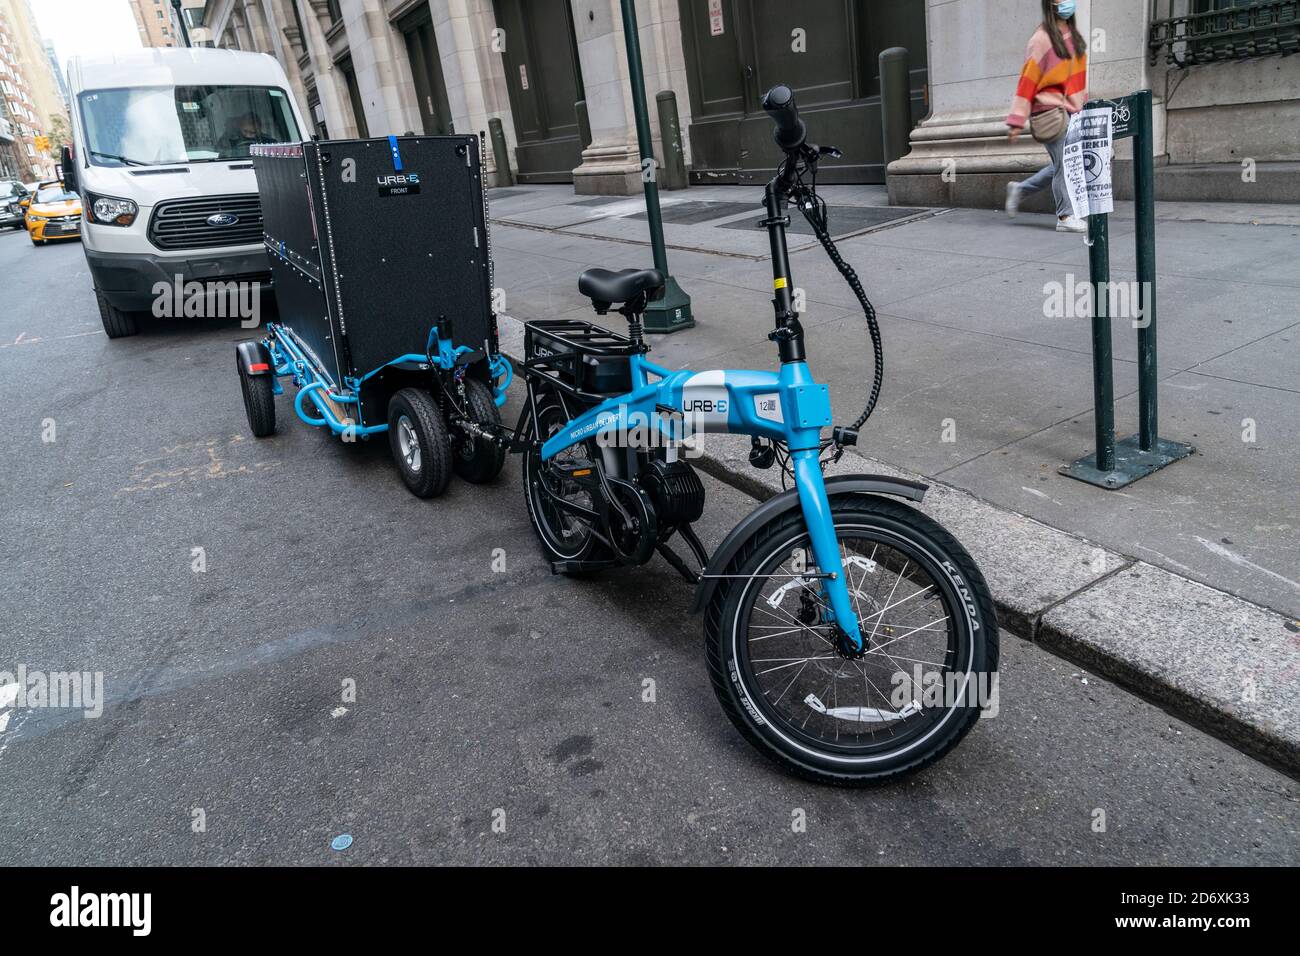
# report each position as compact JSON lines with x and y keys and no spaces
{"x":1216,"y":30}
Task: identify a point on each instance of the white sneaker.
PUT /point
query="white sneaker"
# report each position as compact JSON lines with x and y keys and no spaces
{"x":1013,"y":199}
{"x":1071,"y":224}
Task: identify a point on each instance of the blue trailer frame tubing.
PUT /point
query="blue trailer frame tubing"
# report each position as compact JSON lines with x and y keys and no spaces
{"x":788,"y":406}
{"x":290,"y":361}
{"x":310,"y":381}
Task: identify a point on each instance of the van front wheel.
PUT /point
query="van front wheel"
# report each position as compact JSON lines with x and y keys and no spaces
{"x":117,"y":324}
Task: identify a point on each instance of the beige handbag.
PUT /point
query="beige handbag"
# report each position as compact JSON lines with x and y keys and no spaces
{"x":1050,"y":125}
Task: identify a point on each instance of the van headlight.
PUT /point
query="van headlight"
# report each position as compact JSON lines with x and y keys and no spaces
{"x":107,"y":211}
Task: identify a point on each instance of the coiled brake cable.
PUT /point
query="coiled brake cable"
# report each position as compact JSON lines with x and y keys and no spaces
{"x":813,"y":208}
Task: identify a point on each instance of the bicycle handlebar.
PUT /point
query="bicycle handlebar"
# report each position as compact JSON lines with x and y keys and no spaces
{"x":792,"y":136}
{"x":790,"y":132}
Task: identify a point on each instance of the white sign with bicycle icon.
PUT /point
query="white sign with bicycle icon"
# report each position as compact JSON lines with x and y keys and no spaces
{"x":1087,"y":160}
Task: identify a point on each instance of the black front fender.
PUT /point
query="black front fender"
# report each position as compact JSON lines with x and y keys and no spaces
{"x":776,"y":505}
{"x":254,"y":358}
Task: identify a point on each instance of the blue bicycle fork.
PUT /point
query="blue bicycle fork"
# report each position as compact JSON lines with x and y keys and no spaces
{"x":805,"y":460}
{"x":816,"y":508}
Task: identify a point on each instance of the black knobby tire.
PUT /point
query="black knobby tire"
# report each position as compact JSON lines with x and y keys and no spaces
{"x":733,"y":676}
{"x":417,"y":435}
{"x":561,"y":538}
{"x":475,"y":458}
{"x":259,"y":401}
{"x":117,"y":324}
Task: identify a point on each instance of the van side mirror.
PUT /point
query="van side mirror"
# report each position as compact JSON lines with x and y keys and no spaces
{"x":69,"y":170}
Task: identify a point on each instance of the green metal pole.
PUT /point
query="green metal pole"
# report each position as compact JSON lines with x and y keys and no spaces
{"x":1103,"y":388}
{"x":1145,"y":213}
{"x":673,"y":311}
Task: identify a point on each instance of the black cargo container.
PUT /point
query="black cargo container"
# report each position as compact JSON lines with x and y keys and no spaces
{"x":372,"y":243}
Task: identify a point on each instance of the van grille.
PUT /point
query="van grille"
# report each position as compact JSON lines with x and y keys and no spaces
{"x":183,"y":223}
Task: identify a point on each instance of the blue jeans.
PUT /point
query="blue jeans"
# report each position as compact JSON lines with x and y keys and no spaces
{"x":1051,"y":174}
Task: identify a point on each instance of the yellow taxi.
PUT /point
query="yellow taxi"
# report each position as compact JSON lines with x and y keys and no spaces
{"x":54,"y":213}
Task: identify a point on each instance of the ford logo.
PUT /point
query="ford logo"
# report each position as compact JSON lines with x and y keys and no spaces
{"x":222,"y":219}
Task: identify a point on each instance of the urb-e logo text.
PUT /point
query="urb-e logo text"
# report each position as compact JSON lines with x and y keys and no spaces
{"x":399,"y":179}
{"x":705,"y":405}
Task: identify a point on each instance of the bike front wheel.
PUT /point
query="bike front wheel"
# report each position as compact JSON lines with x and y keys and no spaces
{"x":928,"y":665}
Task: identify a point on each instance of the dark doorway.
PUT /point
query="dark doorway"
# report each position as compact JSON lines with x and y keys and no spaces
{"x":545,"y":81}
{"x":736,"y":49}
{"x":354,"y":96}
{"x":426,"y":69}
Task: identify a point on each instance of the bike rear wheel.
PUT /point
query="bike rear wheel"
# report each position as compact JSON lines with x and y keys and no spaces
{"x":917,"y":688}
{"x":564,"y":536}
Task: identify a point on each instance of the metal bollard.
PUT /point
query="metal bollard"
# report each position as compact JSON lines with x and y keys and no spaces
{"x":500,"y":152}
{"x":895,"y":103}
{"x":584,"y":123}
{"x":673,"y":175}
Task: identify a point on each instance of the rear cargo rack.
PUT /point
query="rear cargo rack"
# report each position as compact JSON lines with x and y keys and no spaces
{"x":579,"y":357}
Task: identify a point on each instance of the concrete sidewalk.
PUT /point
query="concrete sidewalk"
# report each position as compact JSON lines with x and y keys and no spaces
{"x":988,"y":396}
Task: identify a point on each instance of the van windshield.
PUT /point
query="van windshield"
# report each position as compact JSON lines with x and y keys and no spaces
{"x":157,"y":125}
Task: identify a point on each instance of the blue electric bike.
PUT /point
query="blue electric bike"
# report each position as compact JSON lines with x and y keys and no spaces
{"x":849,"y":637}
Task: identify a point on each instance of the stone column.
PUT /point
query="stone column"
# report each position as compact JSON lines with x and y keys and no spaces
{"x":611,"y":165}
{"x":383,"y":79}
{"x":281,"y":31}
{"x":330,"y":87}
{"x":960,"y":154}
{"x":252,"y":14}
{"x":240,"y":29}
{"x":473,"y":71}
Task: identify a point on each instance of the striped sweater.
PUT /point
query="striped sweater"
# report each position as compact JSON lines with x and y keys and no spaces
{"x":1047,"y":81}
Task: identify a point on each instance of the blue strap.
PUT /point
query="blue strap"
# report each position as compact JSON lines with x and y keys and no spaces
{"x":397,"y":155}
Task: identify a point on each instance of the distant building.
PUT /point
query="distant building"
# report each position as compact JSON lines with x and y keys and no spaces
{"x":30,"y":88}
{"x":153,"y":18}
{"x":59,"y":78}
{"x":158,"y":24}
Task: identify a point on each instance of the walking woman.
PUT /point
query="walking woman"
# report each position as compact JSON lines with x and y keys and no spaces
{"x":1053,"y":84}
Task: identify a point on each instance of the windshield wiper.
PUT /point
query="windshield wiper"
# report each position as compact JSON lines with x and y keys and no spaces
{"x":121,"y":159}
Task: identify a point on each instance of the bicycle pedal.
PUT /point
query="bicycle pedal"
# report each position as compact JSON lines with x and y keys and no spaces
{"x":575,"y":469}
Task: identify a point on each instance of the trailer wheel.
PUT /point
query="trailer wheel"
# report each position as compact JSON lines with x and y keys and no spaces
{"x":259,"y":401}
{"x":421,"y":446}
{"x":117,"y":324}
{"x":475,"y":458}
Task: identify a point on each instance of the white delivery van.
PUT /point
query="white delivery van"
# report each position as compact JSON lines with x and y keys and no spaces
{"x":160,"y":157}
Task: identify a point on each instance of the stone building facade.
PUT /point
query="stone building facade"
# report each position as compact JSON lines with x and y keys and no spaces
{"x":555,"y":72}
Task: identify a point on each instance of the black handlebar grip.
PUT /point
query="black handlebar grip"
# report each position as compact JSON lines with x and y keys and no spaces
{"x":790,"y":131}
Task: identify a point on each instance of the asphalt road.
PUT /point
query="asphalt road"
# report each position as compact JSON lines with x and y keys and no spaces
{"x":481,"y":695}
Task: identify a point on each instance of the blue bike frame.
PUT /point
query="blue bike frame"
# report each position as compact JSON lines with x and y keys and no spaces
{"x":788,"y":406}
